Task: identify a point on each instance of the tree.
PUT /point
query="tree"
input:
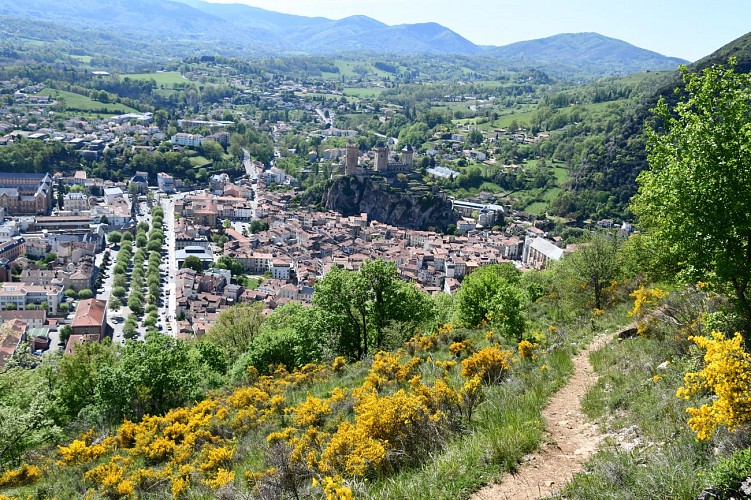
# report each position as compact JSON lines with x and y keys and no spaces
{"x":235,"y":329}
{"x":86,"y":293}
{"x":65,"y":332}
{"x":476,"y":298}
{"x":194,"y":263}
{"x":78,"y":375}
{"x":358,"y":307}
{"x":506,"y":311}
{"x":119,"y":292}
{"x":390,"y":299}
{"x":141,"y":240}
{"x":590,"y":270}
{"x":695,"y":197}
{"x":342,"y":297}
{"x":130,"y":329}
{"x":127,"y":236}
{"x":234,"y":266}
{"x":135,"y":304}
{"x":28,"y":411}
{"x":152,"y":377}
{"x":115,"y":237}
{"x":258,"y":225}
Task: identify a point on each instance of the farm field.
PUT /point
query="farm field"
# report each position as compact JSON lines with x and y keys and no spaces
{"x":78,"y":102}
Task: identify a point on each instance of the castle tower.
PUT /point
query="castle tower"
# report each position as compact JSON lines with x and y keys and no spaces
{"x":407,"y":156}
{"x":350,"y":160}
{"x":382,"y":159}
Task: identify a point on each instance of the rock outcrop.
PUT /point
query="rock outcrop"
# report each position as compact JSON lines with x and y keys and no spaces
{"x":353,"y":195}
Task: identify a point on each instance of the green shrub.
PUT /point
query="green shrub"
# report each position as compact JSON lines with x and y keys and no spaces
{"x":728,"y":473}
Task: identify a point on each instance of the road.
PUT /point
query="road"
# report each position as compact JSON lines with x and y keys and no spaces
{"x":322,"y":116}
{"x":253,"y":174}
{"x":168,"y":204}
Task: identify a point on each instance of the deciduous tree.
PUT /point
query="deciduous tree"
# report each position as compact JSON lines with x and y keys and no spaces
{"x":695,"y":197}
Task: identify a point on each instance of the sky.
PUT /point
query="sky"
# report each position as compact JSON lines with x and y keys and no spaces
{"x":690,"y":29}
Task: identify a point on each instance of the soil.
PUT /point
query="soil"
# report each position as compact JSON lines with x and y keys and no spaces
{"x":570,"y":440}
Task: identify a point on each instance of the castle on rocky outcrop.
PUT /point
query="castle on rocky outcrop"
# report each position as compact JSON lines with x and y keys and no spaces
{"x":381,"y":164}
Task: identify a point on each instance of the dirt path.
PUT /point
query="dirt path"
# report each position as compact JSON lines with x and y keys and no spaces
{"x":570,"y":440}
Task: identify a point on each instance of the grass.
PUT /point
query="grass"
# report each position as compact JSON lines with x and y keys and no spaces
{"x":507,"y":426}
{"x":78,"y":102}
{"x":83,"y":59}
{"x":663,"y":458}
{"x":362,"y":92}
{"x":520,"y":117}
{"x":538,"y":207}
{"x":200,"y":161}
{"x":167,"y":79}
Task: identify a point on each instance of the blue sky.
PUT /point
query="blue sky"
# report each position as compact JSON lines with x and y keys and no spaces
{"x":689,"y":29}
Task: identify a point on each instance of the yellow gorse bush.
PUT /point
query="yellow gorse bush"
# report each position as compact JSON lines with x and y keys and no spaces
{"x":727,"y":375}
{"x":334,"y":488}
{"x":82,"y":451}
{"x":457,"y":348}
{"x":526,"y":349}
{"x":22,"y":476}
{"x":645,"y":297}
{"x":339,"y":363}
{"x":222,"y":478}
{"x":110,"y":477}
{"x":393,"y":417}
{"x":311,"y":412}
{"x":490,"y":364}
{"x":386,"y":369}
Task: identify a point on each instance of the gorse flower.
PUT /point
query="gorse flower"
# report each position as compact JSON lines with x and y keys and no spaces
{"x":526,"y":349}
{"x":22,"y":476}
{"x":490,"y":364}
{"x":645,"y":297}
{"x":727,"y":375}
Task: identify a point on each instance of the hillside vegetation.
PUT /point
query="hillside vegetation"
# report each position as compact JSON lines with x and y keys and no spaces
{"x":255,"y":409}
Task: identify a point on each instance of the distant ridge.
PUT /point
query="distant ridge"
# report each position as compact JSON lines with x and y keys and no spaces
{"x":241,"y":30}
{"x":588,"y":49}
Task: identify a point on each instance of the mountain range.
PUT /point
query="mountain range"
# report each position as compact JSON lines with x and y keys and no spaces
{"x":190,"y":26}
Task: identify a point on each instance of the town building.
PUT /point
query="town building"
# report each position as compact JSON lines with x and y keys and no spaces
{"x":90,"y":318}
{"x":22,"y":295}
{"x":187,"y":140}
{"x":75,"y":202}
{"x":539,"y":252}
{"x":25,"y":194}
{"x":165,"y":182}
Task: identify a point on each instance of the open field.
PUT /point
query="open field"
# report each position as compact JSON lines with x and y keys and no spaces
{"x":167,"y":79}
{"x":78,"y":102}
{"x":363,"y":92}
{"x":83,"y":59}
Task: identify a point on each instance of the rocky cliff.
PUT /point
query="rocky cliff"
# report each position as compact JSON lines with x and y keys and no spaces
{"x":384,"y":203}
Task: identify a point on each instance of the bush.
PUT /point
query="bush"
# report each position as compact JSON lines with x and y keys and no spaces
{"x":729,"y":474}
{"x":490,"y":364}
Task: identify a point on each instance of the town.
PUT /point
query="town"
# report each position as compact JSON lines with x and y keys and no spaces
{"x":224,"y":241}
{"x":307,"y":253}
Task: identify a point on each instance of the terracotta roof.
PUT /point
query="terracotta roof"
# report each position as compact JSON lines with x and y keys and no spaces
{"x":90,"y":312}
{"x":75,"y":340}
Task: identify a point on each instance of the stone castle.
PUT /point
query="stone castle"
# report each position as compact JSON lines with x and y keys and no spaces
{"x":381,"y":164}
